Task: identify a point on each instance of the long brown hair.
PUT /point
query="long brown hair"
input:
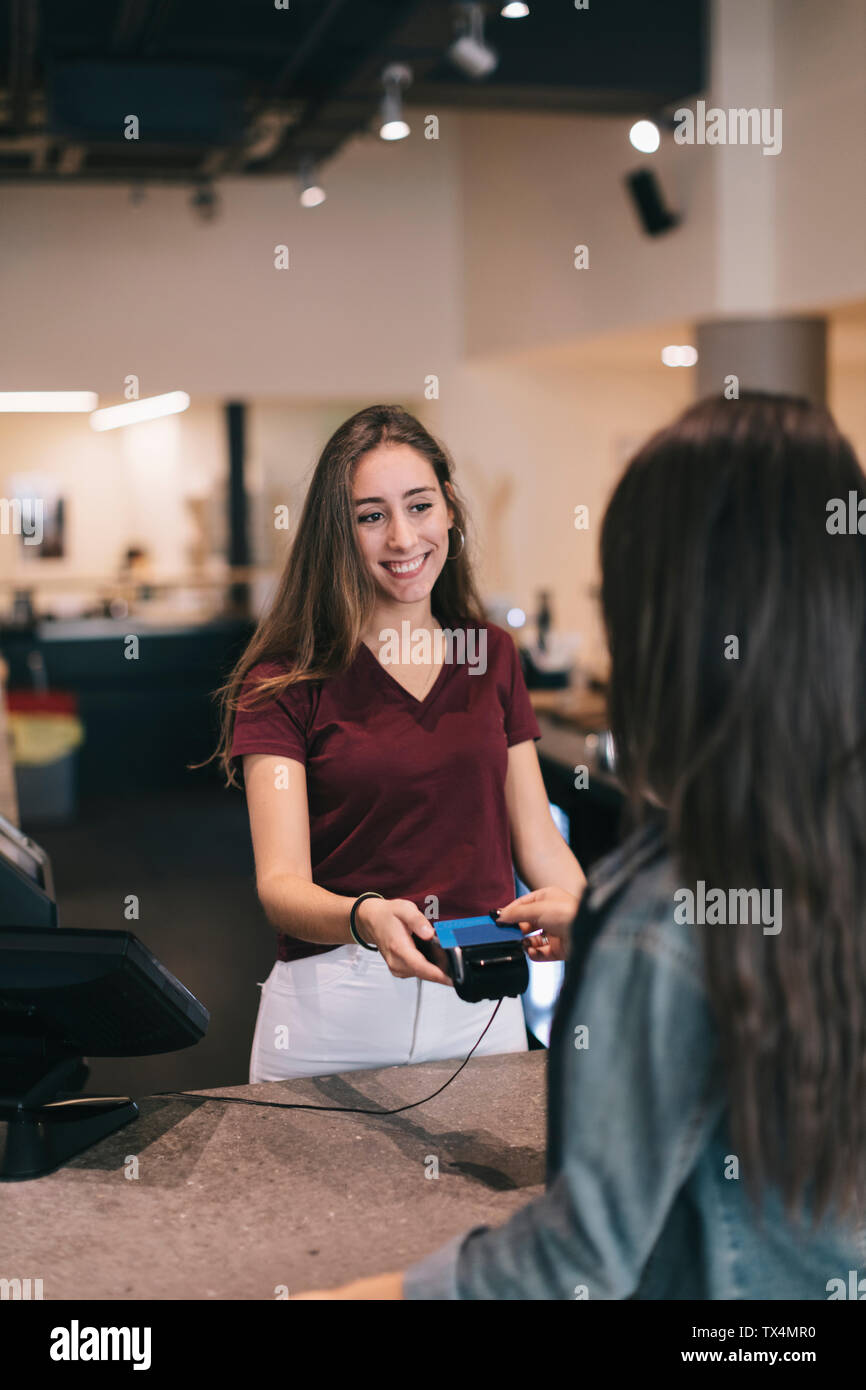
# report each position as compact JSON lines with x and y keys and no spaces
{"x":326,"y":594}
{"x":719,"y":528}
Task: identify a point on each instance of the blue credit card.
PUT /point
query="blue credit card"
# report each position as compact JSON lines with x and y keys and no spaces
{"x":474,"y":931}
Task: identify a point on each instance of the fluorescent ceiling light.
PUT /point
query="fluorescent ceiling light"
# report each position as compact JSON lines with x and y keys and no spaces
{"x":38,"y":401}
{"x":133,"y":412}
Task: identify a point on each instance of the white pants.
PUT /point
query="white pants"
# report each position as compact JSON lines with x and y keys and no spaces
{"x":345,"y":1011}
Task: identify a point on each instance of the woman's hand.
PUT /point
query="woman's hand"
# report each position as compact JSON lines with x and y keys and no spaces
{"x":390,"y":924}
{"x":552,"y":910}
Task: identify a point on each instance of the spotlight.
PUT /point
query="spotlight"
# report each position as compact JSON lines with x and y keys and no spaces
{"x":646,"y":192}
{"x":515,"y":10}
{"x":644,"y":135}
{"x":395,"y":77}
{"x":312,"y":193}
{"x":470,"y":52}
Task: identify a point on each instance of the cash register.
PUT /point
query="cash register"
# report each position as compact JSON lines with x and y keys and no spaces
{"x":64,"y":993}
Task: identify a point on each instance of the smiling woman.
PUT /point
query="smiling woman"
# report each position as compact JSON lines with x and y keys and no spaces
{"x":386,"y":788}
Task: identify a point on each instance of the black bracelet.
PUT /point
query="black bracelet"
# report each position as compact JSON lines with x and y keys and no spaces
{"x":353,"y":929}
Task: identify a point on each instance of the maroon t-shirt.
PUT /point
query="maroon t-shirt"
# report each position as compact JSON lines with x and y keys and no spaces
{"x":406,"y":797}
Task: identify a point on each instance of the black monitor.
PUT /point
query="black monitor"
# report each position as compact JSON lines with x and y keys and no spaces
{"x":99,"y":993}
{"x":65,"y":994}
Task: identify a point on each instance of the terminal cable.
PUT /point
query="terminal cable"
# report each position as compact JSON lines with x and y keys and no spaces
{"x":344,"y":1109}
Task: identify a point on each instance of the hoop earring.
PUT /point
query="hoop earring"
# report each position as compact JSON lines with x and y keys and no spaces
{"x":462,"y":541}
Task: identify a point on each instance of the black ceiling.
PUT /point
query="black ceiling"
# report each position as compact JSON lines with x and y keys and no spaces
{"x":239,"y":86}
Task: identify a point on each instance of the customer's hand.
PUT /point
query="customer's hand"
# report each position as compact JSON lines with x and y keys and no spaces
{"x":552,"y":910}
{"x":390,"y":924}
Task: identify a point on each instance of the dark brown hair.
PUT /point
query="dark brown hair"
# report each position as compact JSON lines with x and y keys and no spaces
{"x":718,"y":529}
{"x":326,"y":594}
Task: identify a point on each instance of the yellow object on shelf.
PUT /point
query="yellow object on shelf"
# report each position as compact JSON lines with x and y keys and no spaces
{"x":38,"y":739}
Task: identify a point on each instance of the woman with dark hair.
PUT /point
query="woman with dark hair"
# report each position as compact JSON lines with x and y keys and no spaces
{"x":386,"y":738}
{"x":707,"y":1070}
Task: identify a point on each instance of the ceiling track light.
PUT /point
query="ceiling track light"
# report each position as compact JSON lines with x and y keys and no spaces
{"x":392,"y":124}
{"x":312,"y":193}
{"x":515,"y":9}
{"x":470,"y":52}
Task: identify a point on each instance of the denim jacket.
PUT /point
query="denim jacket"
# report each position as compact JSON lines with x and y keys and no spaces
{"x":641,"y":1198}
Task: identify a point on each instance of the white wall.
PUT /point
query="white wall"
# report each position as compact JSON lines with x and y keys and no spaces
{"x":537,"y":186}
{"x":94,"y":288}
{"x":821,"y":181}
{"x":533,"y":439}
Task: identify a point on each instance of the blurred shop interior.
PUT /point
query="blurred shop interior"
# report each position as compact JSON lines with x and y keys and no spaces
{"x":320,"y":207}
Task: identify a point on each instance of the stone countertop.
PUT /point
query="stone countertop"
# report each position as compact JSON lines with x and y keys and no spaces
{"x":233,"y":1201}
